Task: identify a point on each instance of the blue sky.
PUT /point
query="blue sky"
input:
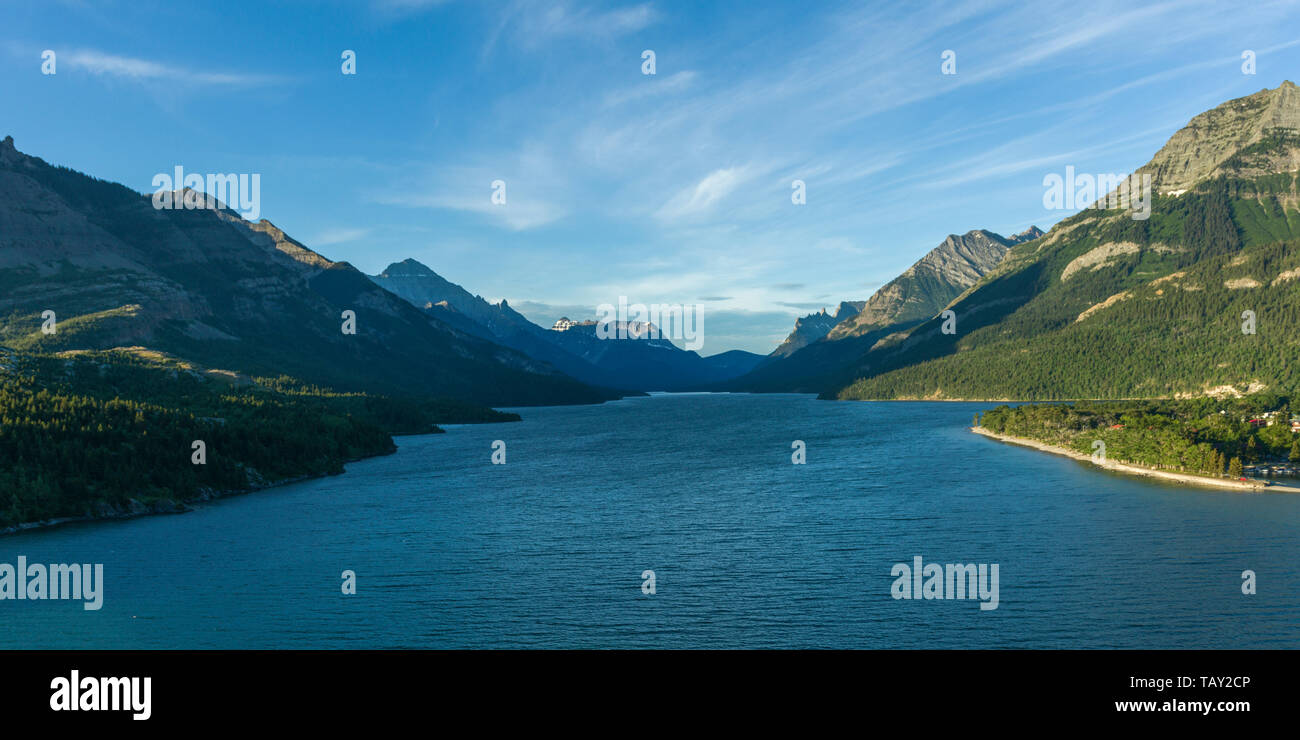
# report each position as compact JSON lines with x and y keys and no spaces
{"x":671,"y":188}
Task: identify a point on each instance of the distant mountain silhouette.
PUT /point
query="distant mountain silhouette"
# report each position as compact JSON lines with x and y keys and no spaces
{"x":629,"y":364}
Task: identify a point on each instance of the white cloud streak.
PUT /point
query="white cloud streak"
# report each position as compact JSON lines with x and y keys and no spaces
{"x":141,"y":70}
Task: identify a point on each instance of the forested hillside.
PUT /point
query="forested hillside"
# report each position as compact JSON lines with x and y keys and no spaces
{"x":1201,"y":297}
{"x":106,"y":433}
{"x":1118,"y":308}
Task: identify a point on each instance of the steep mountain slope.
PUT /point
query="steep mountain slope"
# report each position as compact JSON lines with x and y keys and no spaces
{"x":455,"y":306}
{"x":1105,"y":306}
{"x":629,"y":364}
{"x":733,"y":363}
{"x":207,"y":286}
{"x":1212,"y":143}
{"x":815,"y":326}
{"x":914,"y":296}
{"x":928,"y":285}
{"x":422,"y":286}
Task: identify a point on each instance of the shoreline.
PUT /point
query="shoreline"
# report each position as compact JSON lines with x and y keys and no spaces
{"x":1251,"y":486}
{"x":137,"y":509}
{"x":919,"y":399}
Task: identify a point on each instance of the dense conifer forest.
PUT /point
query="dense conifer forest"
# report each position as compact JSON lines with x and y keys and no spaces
{"x":103,"y":433}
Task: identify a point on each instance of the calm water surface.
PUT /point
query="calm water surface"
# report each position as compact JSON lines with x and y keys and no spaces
{"x":748,"y":549}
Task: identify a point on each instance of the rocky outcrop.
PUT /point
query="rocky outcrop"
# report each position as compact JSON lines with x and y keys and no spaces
{"x":814,"y":326}
{"x":1242,"y":136}
{"x":1028,"y":235}
{"x":932,"y":281}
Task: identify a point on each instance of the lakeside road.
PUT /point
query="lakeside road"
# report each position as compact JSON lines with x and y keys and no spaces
{"x":1252,"y":486}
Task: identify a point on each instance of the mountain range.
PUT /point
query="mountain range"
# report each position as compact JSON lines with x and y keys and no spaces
{"x":245,"y":299}
{"x":207,"y":286}
{"x":649,"y":363}
{"x":1196,"y":298}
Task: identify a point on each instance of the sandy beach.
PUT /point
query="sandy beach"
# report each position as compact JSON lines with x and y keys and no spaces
{"x":1252,"y":486}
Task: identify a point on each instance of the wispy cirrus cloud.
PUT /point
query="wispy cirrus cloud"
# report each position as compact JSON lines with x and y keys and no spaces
{"x":515,"y":214}
{"x":557,"y":20}
{"x":390,"y":6}
{"x":533,"y":190}
{"x":705,"y":194}
{"x":533,"y":24}
{"x":1002,"y":160}
{"x":547,"y":20}
{"x":674,"y":83}
{"x":330,"y":237}
{"x":104,"y":64}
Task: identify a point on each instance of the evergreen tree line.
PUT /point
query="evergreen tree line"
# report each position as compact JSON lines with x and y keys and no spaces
{"x":90,"y":433}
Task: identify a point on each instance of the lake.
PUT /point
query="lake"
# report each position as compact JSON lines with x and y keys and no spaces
{"x":748,"y":550}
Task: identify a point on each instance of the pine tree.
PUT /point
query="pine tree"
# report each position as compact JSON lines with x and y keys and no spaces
{"x":1234,"y":467}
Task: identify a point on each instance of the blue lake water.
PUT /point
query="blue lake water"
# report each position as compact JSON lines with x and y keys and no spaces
{"x":748,"y":549}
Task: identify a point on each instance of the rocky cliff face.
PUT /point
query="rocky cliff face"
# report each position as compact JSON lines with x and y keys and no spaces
{"x":917,"y":294}
{"x":1207,"y":146}
{"x":1028,"y":235}
{"x":814,"y":326}
{"x":813,"y":357}
{"x":929,"y":284}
